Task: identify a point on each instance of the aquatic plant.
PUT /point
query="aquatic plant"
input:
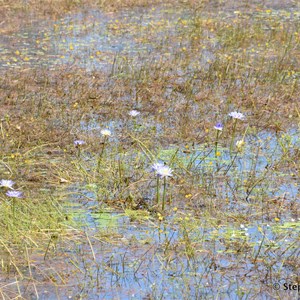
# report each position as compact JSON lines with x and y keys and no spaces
{"x":106,"y":133}
{"x":155,"y":167}
{"x":236,"y":116}
{"x":163,"y":172}
{"x":14,"y":194}
{"x":218,"y":127}
{"x":78,"y":144}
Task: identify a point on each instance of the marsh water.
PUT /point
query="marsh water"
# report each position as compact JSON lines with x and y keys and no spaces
{"x":90,"y":40}
{"x":118,"y":256}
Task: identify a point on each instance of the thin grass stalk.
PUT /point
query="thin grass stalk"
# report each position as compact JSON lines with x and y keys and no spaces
{"x":233,"y":136}
{"x":101,"y":154}
{"x":216,"y":144}
{"x":164,"y":194}
{"x":157,"y":189}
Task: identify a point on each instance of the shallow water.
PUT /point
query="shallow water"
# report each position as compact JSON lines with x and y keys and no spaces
{"x":96,"y":40}
{"x":90,"y":40}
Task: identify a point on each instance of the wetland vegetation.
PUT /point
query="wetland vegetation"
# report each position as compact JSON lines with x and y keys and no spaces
{"x":149,"y":149}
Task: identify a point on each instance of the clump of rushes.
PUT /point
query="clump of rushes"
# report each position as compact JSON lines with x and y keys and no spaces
{"x":106,"y":133}
{"x":78,"y":144}
{"x":219,"y":128}
{"x":236,"y":116}
{"x":162,"y":171}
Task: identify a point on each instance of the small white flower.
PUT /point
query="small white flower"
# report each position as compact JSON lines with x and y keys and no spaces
{"x":79,"y":143}
{"x":237,"y":115}
{"x":134,"y":113}
{"x":7,"y":183}
{"x":242,"y":226}
{"x":105,"y":132}
{"x":14,"y":194}
{"x":156,"y":166}
{"x":164,"y":171}
{"x":219,"y":126}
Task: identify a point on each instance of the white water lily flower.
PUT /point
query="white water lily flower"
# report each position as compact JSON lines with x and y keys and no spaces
{"x":79,"y":143}
{"x":237,"y":115}
{"x":164,"y":171}
{"x":14,"y":194}
{"x":105,"y":132}
{"x":134,"y":113}
{"x":219,"y":126}
{"x":7,"y":183}
{"x":156,"y":166}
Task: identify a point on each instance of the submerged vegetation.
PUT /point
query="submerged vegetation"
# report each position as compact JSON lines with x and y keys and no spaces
{"x":149,"y":149}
